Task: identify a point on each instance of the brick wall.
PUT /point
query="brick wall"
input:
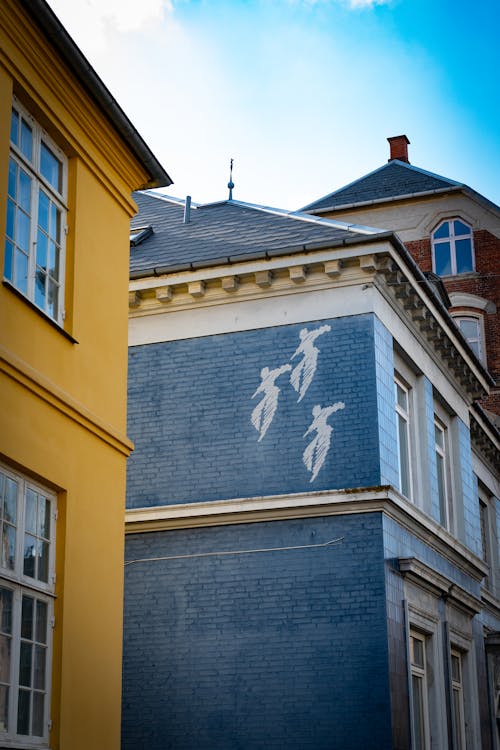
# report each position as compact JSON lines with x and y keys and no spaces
{"x":190,"y":407}
{"x":265,"y":651}
{"x":485,"y":283}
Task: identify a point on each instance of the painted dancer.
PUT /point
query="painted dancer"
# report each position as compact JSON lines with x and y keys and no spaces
{"x":315,"y":453}
{"x":303,"y":373}
{"x":263,"y":414}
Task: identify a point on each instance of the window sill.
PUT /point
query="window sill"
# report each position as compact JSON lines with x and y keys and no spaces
{"x":465,"y":275}
{"x":38,"y":311}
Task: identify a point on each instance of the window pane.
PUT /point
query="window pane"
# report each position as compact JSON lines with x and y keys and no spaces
{"x":438,"y":436}
{"x":11,"y":217}
{"x":402,"y":397}
{"x":457,"y":710}
{"x":53,"y":260}
{"x":8,"y":546}
{"x":31,"y":507}
{"x":442,"y":258}
{"x":41,"y":249}
{"x":40,"y":288}
{"x":29,"y":555}
{"x":12,"y":188}
{"x":27,"y":618}
{"x":41,"y":622}
{"x":14,"y":127}
{"x":418,"y":712}
{"x":43,"y":211}
{"x":43,"y":517}
{"x":37,"y":725}
{"x":26,"y":140}
{"x":53,"y":299}
{"x":23,"y":230}
{"x":464,"y":256}
{"x":50,"y":168}
{"x":443,"y":231}
{"x":25,"y":191}
{"x":5,"y":642}
{"x":23,"y":712}
{"x":10,"y":500}
{"x":441,"y":488}
{"x":418,"y":652}
{"x":6,"y":611}
{"x":9,"y":252}
{"x":4,"y":708}
{"x":43,"y":561}
{"x":25,"y":659}
{"x":21,"y":271}
{"x":55,"y":223}
{"x":39,"y":671}
{"x":460,"y":228}
{"x":455,"y":668}
{"x":469,"y":328}
{"x":404,"y":463}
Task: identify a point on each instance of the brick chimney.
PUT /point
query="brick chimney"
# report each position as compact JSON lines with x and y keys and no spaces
{"x":399,"y":148}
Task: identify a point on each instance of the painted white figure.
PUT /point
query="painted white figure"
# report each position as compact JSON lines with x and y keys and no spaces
{"x":315,"y":453}
{"x":303,"y":373}
{"x":263,"y":414}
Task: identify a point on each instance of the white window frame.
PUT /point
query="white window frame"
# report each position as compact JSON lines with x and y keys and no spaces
{"x":457,"y":693}
{"x":480,"y":339}
{"x":22,"y":585}
{"x":40,"y":184}
{"x":405,"y":416}
{"x":452,"y":239}
{"x":419,"y":672}
{"x":442,"y":456}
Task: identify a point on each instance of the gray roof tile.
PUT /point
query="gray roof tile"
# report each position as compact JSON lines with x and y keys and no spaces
{"x":228,"y":231}
{"x":394,"y":179}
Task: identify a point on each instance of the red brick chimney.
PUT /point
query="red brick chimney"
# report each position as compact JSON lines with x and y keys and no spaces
{"x":399,"y":148}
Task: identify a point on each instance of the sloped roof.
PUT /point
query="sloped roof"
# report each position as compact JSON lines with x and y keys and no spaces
{"x":226,"y":232}
{"x":396,"y":179}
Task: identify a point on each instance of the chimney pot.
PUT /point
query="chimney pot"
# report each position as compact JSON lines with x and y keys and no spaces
{"x":399,"y":148}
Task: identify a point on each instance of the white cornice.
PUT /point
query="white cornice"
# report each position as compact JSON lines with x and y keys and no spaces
{"x":308,"y":505}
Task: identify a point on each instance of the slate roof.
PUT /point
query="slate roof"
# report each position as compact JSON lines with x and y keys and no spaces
{"x":396,"y":179}
{"x":226,"y":232}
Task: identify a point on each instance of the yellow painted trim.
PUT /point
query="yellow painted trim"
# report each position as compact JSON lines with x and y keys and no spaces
{"x":308,"y":505}
{"x":26,"y":376}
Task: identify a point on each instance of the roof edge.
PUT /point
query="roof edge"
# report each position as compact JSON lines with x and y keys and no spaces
{"x":61,"y":41}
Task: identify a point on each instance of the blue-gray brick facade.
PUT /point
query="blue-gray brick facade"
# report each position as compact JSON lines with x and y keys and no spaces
{"x":281,"y":649}
{"x":190,"y":407}
{"x":256,"y":636}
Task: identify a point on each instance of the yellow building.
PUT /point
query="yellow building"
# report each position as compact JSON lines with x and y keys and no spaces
{"x":69,"y":159}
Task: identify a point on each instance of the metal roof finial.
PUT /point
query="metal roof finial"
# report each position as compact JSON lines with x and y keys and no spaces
{"x":230,"y":184}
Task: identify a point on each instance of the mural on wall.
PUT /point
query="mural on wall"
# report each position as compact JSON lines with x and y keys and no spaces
{"x":315,"y":453}
{"x":301,"y":377}
{"x":263,"y":414}
{"x":303,"y":373}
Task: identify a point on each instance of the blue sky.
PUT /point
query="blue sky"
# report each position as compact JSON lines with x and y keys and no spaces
{"x":301,"y":93}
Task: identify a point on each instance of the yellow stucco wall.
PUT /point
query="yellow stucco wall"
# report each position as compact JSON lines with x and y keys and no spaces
{"x":63,"y":404}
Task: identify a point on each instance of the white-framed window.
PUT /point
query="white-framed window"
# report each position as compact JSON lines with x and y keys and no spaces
{"x":458,"y":699}
{"x":419,"y":691}
{"x":27,"y":539}
{"x":402,"y":406}
{"x":36,"y":214}
{"x":441,"y":451}
{"x":471,"y":328}
{"x":452,"y":248}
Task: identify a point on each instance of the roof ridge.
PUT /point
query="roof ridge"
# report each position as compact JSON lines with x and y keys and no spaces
{"x":166,"y":198}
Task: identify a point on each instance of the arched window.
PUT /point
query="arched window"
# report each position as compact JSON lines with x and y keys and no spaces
{"x":452,"y":248}
{"x":472,"y":330}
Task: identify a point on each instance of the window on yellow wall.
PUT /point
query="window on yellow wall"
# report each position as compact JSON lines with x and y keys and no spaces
{"x":27,"y":534}
{"x":36,"y":215}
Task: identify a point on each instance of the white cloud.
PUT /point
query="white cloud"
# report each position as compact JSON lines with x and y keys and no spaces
{"x":92,"y":21}
{"x":354,"y":4}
